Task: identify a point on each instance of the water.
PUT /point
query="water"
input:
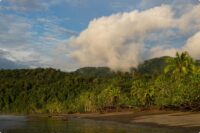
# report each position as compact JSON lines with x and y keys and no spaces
{"x":15,"y":124}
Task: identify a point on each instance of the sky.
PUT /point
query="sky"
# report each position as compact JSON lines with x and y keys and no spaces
{"x":120,"y":34}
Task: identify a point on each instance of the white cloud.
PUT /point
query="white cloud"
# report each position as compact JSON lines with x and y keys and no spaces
{"x":193,"y":46}
{"x":159,"y":51}
{"x":190,"y":21}
{"x":32,"y":48}
{"x":120,"y":41}
{"x":117,"y":41}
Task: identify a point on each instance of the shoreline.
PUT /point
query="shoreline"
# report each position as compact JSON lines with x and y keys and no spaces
{"x":155,"y":118}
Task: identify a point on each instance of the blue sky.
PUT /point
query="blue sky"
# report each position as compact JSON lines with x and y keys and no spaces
{"x":36,"y":33}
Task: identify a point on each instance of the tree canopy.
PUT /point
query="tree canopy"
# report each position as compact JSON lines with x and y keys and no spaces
{"x":90,"y":89}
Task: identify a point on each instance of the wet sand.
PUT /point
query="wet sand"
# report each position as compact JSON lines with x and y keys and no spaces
{"x":147,"y":118}
{"x":180,"y":119}
{"x":153,"y":118}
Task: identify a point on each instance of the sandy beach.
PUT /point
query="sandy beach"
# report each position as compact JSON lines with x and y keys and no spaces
{"x":156,"y":117}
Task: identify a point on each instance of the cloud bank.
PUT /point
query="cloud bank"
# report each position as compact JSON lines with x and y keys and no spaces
{"x":123,"y":40}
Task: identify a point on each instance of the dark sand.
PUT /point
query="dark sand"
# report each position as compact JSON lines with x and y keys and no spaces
{"x":153,"y":118}
{"x":148,"y":118}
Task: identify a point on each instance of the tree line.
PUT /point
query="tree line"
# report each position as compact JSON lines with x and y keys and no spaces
{"x":165,"y":82}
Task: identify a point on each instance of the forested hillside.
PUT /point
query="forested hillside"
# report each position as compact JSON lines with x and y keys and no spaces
{"x":162,"y":82}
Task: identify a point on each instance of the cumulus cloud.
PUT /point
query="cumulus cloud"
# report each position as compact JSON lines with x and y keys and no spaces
{"x":190,"y":21}
{"x":159,"y":51}
{"x":120,"y":41}
{"x":117,"y":41}
{"x":193,"y":46}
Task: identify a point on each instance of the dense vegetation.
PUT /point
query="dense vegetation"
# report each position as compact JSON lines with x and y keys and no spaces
{"x":162,"y":82}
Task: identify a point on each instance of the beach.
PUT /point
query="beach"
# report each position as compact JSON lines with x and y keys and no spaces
{"x":151,"y":118}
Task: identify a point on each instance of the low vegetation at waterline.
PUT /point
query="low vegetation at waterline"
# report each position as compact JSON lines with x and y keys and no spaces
{"x":164,"y":82}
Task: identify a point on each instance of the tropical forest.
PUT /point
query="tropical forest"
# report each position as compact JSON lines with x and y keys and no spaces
{"x":162,"y":83}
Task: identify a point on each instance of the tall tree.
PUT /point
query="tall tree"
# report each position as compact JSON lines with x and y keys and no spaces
{"x":181,"y":65}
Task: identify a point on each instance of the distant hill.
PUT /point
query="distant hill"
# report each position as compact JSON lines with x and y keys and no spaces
{"x":153,"y":66}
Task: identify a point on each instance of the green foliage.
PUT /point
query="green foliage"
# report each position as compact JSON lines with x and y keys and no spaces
{"x":95,"y":72}
{"x":94,"y":89}
{"x":108,"y":97}
{"x":153,"y":66}
{"x":85,"y":103}
{"x":54,"y":107}
{"x":142,"y":93}
{"x":181,"y":65}
{"x":182,"y":94}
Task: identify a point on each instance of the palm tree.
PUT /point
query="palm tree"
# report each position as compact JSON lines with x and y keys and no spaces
{"x":181,"y":65}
